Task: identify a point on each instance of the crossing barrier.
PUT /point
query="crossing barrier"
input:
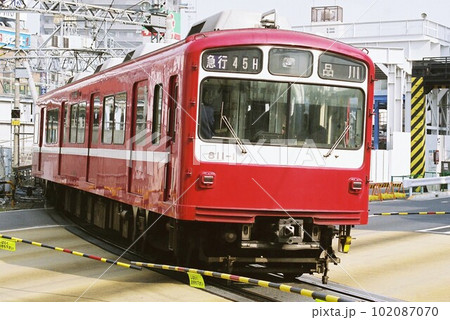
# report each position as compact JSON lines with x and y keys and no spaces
{"x":420,"y":182}
{"x":80,"y":254}
{"x":282,"y":287}
{"x":407,"y":213}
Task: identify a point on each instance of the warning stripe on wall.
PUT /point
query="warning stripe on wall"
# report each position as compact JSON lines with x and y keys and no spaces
{"x":417,"y":128}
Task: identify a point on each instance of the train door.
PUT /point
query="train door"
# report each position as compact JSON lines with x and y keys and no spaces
{"x":140,"y":141}
{"x":171,"y":138}
{"x":93,"y":135}
{"x":41,"y":137}
{"x":62,"y":132}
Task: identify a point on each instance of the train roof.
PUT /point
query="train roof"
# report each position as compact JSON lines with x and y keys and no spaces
{"x":224,"y":29}
{"x":274,"y":37}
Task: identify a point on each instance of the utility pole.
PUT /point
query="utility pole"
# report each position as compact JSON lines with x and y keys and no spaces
{"x":15,"y":113}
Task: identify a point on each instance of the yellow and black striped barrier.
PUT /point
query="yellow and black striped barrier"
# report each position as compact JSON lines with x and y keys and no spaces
{"x":261,"y":283}
{"x":80,"y":254}
{"x":407,"y":213}
{"x":417,"y":128}
{"x":386,"y":191}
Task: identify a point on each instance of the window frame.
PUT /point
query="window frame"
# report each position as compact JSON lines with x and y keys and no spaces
{"x":158,"y":94}
{"x":51,"y":133}
{"x":96,"y":102}
{"x":77,"y":127}
{"x":141,"y":108}
{"x":110,"y":101}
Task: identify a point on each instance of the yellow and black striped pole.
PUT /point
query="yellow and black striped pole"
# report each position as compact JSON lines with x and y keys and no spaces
{"x":408,"y":213}
{"x":417,"y":128}
{"x":319,"y":296}
{"x":76,"y":253}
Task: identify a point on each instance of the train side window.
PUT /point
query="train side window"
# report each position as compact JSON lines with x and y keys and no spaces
{"x":108,"y":119}
{"x":73,"y":123}
{"x":141,"y":105}
{"x":95,"y":118}
{"x":114,"y":112}
{"x":81,"y":123}
{"x":52,"y":126}
{"x":119,"y":118}
{"x":157,"y":113}
{"x":66,"y":122}
{"x":77,"y":122}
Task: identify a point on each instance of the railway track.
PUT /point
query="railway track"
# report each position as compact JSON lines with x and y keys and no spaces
{"x":245,"y":292}
{"x":306,"y":282}
{"x":267,"y":289}
{"x":343,"y":290}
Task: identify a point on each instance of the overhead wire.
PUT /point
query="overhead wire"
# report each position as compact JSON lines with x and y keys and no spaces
{"x":101,"y":25}
{"x":111,"y":24}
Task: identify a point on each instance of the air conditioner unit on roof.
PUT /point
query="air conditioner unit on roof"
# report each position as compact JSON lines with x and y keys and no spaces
{"x":233,"y":19}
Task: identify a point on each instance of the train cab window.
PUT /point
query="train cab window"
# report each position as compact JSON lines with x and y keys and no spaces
{"x":77,"y":122}
{"x":114,"y":111}
{"x":281,"y":113}
{"x":51,"y":126}
{"x":157,"y":113}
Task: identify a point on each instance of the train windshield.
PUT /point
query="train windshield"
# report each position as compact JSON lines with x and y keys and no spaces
{"x":278,"y":113}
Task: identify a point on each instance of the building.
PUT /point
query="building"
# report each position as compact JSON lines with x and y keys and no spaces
{"x":7,"y":91}
{"x":50,"y":69}
{"x":83,"y":33}
{"x":395,"y":47}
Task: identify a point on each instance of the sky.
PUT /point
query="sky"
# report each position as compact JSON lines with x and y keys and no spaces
{"x":298,"y":12}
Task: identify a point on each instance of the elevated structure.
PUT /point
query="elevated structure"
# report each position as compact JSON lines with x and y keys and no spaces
{"x":418,"y":37}
{"x":148,"y":18}
{"x":435,"y":72}
{"x":401,"y":49}
{"x":75,"y":37}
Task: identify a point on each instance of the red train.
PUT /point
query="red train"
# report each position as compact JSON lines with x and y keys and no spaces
{"x":226,"y":149}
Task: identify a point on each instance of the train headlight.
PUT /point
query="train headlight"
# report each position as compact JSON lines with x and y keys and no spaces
{"x":288,"y":62}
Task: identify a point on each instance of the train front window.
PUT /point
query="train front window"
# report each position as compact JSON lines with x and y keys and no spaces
{"x":278,"y":113}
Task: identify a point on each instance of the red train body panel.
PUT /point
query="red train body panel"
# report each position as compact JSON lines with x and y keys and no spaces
{"x":133,"y":134}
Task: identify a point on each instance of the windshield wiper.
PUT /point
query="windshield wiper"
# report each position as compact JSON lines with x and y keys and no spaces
{"x":233,"y":133}
{"x":347,"y":128}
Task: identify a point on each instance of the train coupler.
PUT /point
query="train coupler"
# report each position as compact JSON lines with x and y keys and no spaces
{"x":230,"y":261}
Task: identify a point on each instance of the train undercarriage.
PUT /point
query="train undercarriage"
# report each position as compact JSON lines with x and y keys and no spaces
{"x":290,"y":246}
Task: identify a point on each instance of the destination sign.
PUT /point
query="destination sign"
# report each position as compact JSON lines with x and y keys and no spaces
{"x":339,"y":68}
{"x":241,"y":60}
